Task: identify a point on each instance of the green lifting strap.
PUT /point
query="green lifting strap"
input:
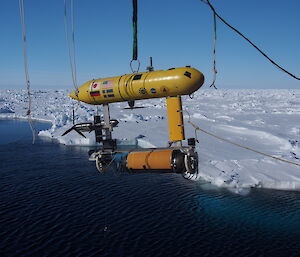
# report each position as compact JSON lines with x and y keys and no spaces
{"x":134,"y":25}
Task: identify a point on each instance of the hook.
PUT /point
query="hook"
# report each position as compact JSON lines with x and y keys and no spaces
{"x":139,"y":64}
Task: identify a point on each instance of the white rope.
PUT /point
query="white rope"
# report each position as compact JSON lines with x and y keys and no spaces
{"x":71,"y":45}
{"x":197,"y":128}
{"x":214,"y":54}
{"x":27,"y":79}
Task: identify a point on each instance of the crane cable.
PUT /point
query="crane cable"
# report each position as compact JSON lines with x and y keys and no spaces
{"x":197,"y":128}
{"x":27,"y":78}
{"x":248,"y":40}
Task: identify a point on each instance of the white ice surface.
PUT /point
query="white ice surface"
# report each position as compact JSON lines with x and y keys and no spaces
{"x":266,"y":120}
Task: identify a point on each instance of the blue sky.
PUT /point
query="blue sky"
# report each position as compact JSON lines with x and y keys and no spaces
{"x":175,"y":32}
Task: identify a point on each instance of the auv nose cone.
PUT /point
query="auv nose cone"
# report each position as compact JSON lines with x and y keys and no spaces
{"x":74,"y":95}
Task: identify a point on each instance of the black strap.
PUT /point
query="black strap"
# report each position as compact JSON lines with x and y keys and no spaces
{"x":134,"y":26}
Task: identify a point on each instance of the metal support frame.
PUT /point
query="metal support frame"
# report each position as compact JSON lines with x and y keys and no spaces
{"x":107,"y":126}
{"x":109,"y":144}
{"x":109,"y":154}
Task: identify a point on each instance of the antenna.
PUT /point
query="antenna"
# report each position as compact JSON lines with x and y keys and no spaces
{"x":150,"y":68}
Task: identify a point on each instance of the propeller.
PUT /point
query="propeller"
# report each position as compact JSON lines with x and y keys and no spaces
{"x":85,"y":127}
{"x":89,"y":127}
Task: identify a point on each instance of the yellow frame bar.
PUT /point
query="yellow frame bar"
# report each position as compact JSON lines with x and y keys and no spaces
{"x":175,"y":118}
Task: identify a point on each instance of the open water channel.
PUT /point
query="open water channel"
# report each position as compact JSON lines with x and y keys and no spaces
{"x":53,"y":202}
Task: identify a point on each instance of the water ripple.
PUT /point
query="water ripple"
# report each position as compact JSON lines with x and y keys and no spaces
{"x":56,"y":204}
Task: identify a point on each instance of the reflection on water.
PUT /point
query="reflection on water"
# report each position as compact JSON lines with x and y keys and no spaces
{"x":273,"y":211}
{"x":54,"y":203}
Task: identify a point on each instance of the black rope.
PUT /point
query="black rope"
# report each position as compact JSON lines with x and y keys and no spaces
{"x":248,"y":40}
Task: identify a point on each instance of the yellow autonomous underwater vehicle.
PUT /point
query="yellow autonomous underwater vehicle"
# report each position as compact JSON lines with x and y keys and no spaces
{"x":171,"y":84}
{"x":138,"y":86}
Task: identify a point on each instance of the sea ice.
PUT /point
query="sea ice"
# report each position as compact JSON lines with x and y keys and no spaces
{"x":266,"y":120}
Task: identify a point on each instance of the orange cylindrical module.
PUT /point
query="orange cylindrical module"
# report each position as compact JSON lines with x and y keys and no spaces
{"x":150,"y":160}
{"x":156,"y":160}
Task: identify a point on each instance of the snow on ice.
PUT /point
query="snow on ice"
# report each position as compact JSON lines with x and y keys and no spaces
{"x":266,"y":120}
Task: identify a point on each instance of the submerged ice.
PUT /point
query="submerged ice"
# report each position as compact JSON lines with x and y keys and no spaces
{"x":266,"y":120}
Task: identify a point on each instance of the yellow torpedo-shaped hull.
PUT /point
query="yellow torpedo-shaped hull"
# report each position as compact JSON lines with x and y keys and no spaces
{"x":138,"y":86}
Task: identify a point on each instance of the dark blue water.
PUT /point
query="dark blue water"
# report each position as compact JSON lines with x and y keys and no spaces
{"x":53,"y":202}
